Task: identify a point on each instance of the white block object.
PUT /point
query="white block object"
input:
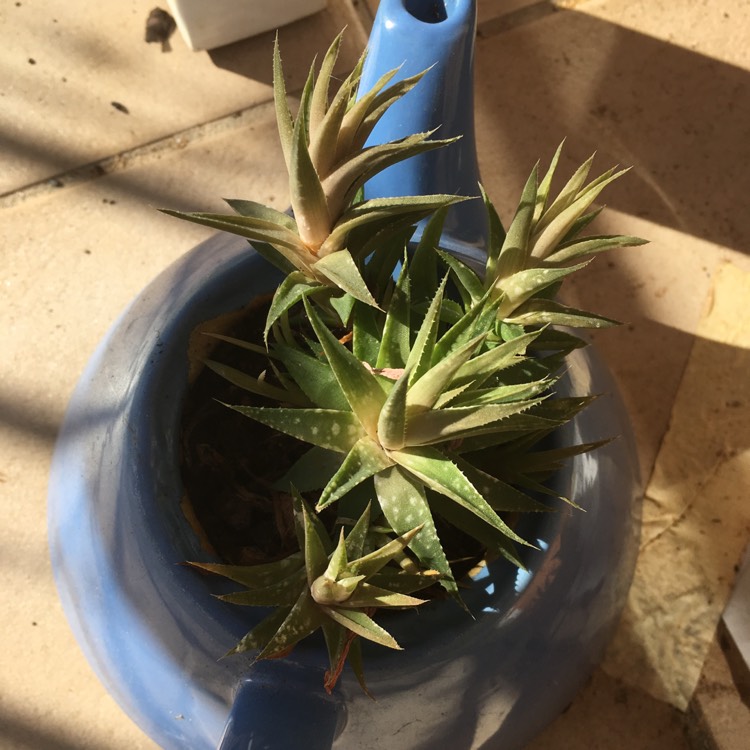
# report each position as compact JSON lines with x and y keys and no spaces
{"x":205,"y":25}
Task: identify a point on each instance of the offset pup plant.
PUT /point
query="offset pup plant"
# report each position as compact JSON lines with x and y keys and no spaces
{"x":423,"y":387}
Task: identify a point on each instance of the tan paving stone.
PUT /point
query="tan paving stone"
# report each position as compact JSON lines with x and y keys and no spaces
{"x":716,"y":28}
{"x":80,"y":83}
{"x":718,"y":719}
{"x":602,"y":717}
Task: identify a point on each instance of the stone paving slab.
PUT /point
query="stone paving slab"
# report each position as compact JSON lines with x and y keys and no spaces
{"x":80,"y":83}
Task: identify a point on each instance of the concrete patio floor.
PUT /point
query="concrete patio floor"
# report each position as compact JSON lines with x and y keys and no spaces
{"x":98,"y":128}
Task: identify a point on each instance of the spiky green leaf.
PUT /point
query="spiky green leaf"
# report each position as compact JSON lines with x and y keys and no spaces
{"x":440,"y":474}
{"x":358,"y":385}
{"x":404,"y":504}
{"x":453,"y":423}
{"x":592,"y":245}
{"x":514,"y":252}
{"x":327,"y":428}
{"x":365,"y":459}
{"x":396,"y":342}
{"x":547,"y":312}
{"x":257,"y":385}
{"x":362,"y":625}
{"x":340,"y":269}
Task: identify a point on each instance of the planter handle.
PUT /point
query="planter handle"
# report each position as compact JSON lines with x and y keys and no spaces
{"x":436,"y":34}
{"x":283,"y":707}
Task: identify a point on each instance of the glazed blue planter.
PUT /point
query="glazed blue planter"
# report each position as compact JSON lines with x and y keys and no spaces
{"x":152,"y":629}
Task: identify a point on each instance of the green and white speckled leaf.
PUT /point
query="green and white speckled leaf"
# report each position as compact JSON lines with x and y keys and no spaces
{"x":338,"y":559}
{"x":305,"y":191}
{"x":568,"y":194}
{"x":362,"y":625}
{"x":451,"y":423}
{"x":358,"y":385}
{"x":463,"y":519}
{"x":366,"y":595}
{"x":284,"y":240}
{"x":342,"y":184}
{"x":515,"y":250}
{"x":376,"y":560}
{"x":292,"y":290}
{"x":515,"y":427}
{"x":404,"y":504}
{"x":262,"y":214}
{"x":366,"y":334}
{"x":420,"y":356}
{"x":358,"y":111}
{"x":552,"y":459}
{"x":481,"y":367}
{"x":357,"y":537}
{"x":248,"y":345}
{"x":548,"y":312}
{"x":304,"y":618}
{"x":592,"y":246}
{"x":480,"y":319}
{"x":314,"y":377}
{"x":392,"y":420}
{"x":279,"y":594}
{"x":542,"y":193}
{"x":502,"y":394}
{"x":378,"y":106}
{"x":447,"y":397}
{"x":311,"y":471}
{"x":404,"y":583}
{"x":316,"y":545}
{"x":411,"y":209}
{"x":519,"y":287}
{"x":424,"y":393}
{"x":327,"y":428}
{"x":496,"y":236}
{"x":257,"y":385}
{"x":319,"y":97}
{"x":395,"y":340}
{"x":344,"y":305}
{"x":356,"y":662}
{"x":255,"y":576}
{"x":580,"y":224}
{"x":283,"y":115}
{"x":442,"y":475}
{"x":558,"y":228}
{"x":424,"y":266}
{"x":467,"y":280}
{"x":365,"y":459}
{"x":340,"y":269}
{"x":262,"y":633}
{"x":501,"y":496}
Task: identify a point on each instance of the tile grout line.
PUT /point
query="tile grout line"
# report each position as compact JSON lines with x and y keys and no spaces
{"x":124,"y":159}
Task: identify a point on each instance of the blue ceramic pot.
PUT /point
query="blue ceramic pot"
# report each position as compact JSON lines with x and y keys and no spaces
{"x":152,"y":629}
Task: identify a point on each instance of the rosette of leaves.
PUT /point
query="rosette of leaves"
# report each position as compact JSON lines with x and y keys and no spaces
{"x":331,"y":587}
{"x":526,"y":266}
{"x":328,"y":163}
{"x":420,"y":385}
{"x":399,"y":405}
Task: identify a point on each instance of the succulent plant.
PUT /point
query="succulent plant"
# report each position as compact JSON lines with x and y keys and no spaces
{"x":330,"y":587}
{"x":422,"y":386}
{"x":328,"y":163}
